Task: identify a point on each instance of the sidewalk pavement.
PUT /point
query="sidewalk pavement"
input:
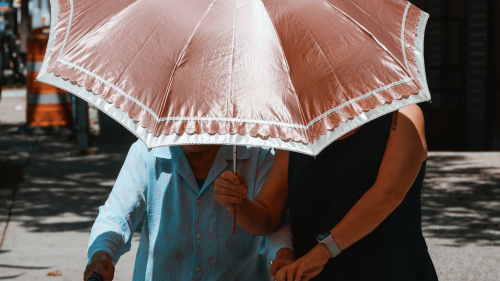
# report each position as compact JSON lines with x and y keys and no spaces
{"x":461,"y":214}
{"x":13,"y":107}
{"x":58,"y":200}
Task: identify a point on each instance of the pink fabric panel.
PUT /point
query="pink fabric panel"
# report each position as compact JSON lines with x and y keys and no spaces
{"x":285,"y":61}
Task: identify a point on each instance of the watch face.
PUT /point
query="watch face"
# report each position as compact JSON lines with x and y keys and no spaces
{"x":323,"y":235}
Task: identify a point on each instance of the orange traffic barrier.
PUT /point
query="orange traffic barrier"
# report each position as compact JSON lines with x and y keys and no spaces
{"x":46,"y":104}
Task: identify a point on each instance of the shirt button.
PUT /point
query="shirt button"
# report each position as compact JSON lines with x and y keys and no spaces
{"x":197,"y":268}
{"x":198,"y":236}
{"x":199,"y":202}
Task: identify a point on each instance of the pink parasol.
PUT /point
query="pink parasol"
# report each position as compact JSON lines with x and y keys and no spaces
{"x":289,"y":74}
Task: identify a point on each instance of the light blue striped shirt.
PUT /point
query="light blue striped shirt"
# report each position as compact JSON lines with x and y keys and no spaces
{"x":186,"y":233}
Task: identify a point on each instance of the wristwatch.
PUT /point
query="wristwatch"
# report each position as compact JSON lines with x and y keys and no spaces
{"x":326,"y":239}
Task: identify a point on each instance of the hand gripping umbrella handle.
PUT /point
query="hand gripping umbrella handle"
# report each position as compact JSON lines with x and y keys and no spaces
{"x":234,"y":219}
{"x":234,"y":206}
{"x":95,"y":277}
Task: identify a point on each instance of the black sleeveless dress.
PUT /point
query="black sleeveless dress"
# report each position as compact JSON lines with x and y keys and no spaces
{"x":321,"y":191}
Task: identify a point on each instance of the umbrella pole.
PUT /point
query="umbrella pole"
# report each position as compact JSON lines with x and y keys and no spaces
{"x":234,"y":206}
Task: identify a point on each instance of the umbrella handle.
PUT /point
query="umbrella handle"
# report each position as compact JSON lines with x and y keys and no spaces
{"x":95,"y":277}
{"x":234,"y":206}
{"x":234,"y":219}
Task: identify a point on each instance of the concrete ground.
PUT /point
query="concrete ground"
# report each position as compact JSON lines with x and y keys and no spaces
{"x":13,"y":107}
{"x":461,"y":214}
{"x":55,"y":205}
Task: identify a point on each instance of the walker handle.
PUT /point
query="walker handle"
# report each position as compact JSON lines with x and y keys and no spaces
{"x":95,"y":277}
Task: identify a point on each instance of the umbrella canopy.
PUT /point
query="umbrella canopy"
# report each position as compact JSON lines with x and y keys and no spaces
{"x":289,"y":74}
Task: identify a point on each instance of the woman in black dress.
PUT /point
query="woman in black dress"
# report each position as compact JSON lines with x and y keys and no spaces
{"x":363,"y":189}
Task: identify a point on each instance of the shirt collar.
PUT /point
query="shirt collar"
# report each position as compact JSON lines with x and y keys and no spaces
{"x":167,"y":152}
{"x":182,"y":166}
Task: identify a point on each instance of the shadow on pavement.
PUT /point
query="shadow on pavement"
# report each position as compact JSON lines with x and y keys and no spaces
{"x":11,"y":276}
{"x":23,"y":267}
{"x":461,"y":199}
{"x":61,"y":192}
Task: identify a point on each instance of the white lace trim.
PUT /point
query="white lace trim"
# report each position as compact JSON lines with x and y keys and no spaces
{"x":403,"y":37}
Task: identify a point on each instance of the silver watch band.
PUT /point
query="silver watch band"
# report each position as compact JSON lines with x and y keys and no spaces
{"x":331,"y":245}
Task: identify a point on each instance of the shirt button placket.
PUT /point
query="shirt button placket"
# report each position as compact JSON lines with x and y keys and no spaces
{"x":198,"y":236}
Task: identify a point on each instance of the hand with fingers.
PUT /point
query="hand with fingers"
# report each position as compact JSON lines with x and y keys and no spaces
{"x":307,"y":266}
{"x":230,"y":189}
{"x":284,"y":257}
{"x":100,"y":263}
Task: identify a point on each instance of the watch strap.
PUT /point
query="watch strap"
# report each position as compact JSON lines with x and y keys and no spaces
{"x":331,"y":245}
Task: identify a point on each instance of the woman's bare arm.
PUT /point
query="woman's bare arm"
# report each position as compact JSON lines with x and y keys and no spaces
{"x":264,"y":214}
{"x":405,"y":151}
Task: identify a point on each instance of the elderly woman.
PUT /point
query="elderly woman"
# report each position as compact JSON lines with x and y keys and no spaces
{"x":186,"y":233}
{"x":355,"y":208}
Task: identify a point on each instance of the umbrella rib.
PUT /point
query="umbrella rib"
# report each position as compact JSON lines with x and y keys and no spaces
{"x":359,"y":8}
{"x":181,"y":56}
{"x":287,"y":70}
{"x":403,"y":37}
{"x":235,"y":11}
{"x":108,"y":20}
{"x":371,"y":35}
{"x":67,"y":30}
{"x":147,"y":40}
{"x":331,"y":68}
{"x":319,"y":47}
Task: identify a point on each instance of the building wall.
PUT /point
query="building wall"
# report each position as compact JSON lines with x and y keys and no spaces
{"x":495,"y":84}
{"x":462,"y":66}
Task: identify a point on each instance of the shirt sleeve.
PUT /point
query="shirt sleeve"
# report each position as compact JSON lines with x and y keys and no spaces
{"x":125,"y":208}
{"x":281,"y":238}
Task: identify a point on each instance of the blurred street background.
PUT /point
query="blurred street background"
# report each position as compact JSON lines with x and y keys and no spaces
{"x":59,"y":157}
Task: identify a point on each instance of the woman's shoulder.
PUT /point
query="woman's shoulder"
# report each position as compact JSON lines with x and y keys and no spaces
{"x":139,"y":150}
{"x":415,"y":114}
{"x":411,"y":125}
